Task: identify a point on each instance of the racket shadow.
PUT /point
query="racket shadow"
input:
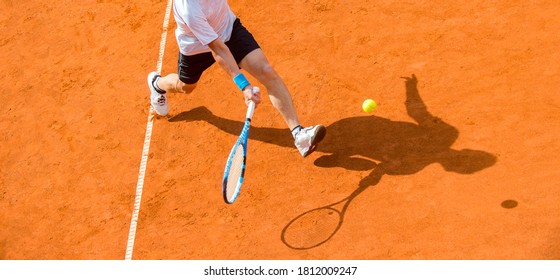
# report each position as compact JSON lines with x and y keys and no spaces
{"x":317,"y":226}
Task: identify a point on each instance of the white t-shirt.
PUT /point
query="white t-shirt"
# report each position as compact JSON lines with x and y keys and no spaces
{"x":199,"y":22}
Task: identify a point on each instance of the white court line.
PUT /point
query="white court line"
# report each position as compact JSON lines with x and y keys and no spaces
{"x":146,"y":149}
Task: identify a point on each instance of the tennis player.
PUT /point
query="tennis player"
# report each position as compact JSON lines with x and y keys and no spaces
{"x":207,"y":32}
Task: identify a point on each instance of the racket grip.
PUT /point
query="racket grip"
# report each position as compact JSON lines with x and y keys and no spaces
{"x":251,"y":108}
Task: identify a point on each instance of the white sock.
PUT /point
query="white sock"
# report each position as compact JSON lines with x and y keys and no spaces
{"x":296,"y":130}
{"x":156,"y":86}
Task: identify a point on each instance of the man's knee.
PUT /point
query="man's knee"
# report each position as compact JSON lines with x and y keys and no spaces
{"x":185,"y":88}
{"x":267,"y":72}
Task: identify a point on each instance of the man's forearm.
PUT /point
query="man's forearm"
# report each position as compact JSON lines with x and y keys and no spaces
{"x":223,"y":56}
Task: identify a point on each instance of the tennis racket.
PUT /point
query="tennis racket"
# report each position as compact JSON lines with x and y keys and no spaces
{"x":235,"y":165}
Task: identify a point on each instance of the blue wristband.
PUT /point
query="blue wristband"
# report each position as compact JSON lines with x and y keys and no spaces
{"x":241,"y":81}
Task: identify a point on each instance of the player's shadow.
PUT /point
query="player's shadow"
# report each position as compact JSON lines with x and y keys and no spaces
{"x":384,"y":146}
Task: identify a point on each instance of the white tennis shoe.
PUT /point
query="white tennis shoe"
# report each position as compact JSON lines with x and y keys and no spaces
{"x":308,"y":138}
{"x":158,"y":100}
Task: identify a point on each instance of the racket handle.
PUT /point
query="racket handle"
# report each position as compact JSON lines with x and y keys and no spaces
{"x":251,"y":108}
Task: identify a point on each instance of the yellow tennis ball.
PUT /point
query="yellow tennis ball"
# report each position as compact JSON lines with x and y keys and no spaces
{"x":369,"y":105}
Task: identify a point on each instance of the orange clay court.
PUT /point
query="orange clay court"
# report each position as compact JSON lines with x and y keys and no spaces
{"x":460,"y":160}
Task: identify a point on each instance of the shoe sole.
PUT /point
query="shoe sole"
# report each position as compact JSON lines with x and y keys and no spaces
{"x":321,"y":132}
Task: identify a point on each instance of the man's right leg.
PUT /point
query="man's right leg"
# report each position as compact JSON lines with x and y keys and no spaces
{"x":190,"y":69}
{"x":172,"y":83}
{"x":160,"y":86}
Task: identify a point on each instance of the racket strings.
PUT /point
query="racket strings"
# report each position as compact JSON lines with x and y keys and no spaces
{"x":235,"y":172}
{"x":312,"y":228}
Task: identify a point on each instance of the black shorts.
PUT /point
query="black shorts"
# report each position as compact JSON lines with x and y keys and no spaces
{"x":241,"y":43}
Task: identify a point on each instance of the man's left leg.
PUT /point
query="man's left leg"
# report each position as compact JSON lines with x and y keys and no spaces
{"x":306,"y":139}
{"x":258,"y":66}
